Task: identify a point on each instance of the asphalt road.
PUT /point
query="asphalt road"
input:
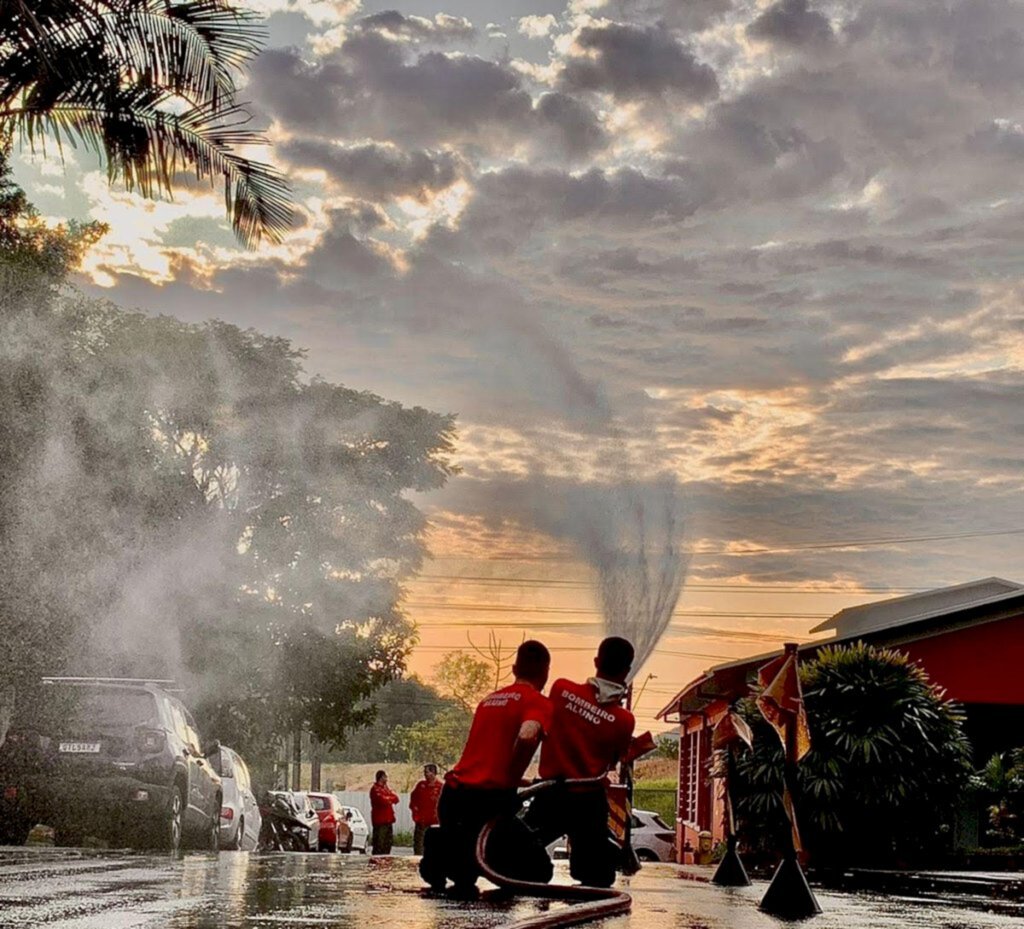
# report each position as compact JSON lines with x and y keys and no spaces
{"x":88,"y":889}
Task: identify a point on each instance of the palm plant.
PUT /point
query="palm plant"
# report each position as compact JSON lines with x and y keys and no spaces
{"x":149,"y":85}
{"x":888,"y":760}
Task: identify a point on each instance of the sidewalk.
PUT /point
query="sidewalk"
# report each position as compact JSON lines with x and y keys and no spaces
{"x":997,"y":885}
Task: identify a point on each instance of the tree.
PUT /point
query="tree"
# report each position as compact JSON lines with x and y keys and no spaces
{"x":888,"y":759}
{"x":34,"y":260}
{"x":151,"y":86}
{"x":464,"y":679}
{"x":439,"y":739}
{"x":179,"y":500}
{"x":399,"y":703}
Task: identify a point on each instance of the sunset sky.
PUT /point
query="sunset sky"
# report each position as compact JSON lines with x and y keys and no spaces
{"x":773,"y":249}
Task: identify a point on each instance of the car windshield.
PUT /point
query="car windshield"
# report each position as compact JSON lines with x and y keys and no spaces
{"x":320,"y":803}
{"x":658,"y":821}
{"x":117,"y":710}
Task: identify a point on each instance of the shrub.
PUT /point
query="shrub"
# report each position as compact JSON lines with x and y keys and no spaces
{"x":888,"y":760}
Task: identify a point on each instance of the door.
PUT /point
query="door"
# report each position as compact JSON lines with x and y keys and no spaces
{"x":250,"y":808}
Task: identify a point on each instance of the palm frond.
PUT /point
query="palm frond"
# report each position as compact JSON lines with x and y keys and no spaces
{"x":149,"y":85}
{"x":145,"y":146}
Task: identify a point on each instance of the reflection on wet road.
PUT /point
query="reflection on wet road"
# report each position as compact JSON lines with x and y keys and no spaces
{"x":73,"y":889}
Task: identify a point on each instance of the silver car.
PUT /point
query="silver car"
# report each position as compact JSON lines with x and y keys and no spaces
{"x":240,"y":819}
{"x":651,"y":838}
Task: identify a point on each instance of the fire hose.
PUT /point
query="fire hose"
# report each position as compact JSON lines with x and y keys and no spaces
{"x":597,"y":902}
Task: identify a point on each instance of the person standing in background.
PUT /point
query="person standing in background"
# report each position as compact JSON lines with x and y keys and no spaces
{"x":382,"y":814}
{"x":423,"y":804}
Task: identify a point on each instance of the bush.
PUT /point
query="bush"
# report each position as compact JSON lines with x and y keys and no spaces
{"x":1000,"y":784}
{"x":888,"y":760}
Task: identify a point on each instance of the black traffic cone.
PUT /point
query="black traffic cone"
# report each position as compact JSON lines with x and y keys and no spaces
{"x":789,"y":896}
{"x":730,"y":871}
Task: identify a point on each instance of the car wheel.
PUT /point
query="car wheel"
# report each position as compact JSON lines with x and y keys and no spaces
{"x":213,"y":832}
{"x":645,"y":854}
{"x":239,"y":839}
{"x":173,"y":825}
{"x":14,"y":831}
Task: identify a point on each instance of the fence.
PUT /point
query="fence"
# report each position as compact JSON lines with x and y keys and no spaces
{"x":360,"y":799}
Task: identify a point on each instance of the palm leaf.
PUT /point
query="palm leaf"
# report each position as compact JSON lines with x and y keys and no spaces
{"x":146,"y":146}
{"x":149,"y":85}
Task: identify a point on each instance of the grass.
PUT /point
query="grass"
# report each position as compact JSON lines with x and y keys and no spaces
{"x":657,"y":795}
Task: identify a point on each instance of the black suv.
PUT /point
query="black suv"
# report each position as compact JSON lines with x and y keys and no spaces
{"x":123,"y":763}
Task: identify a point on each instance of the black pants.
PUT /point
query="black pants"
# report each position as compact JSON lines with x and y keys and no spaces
{"x":383,"y":836}
{"x":582,"y":815}
{"x":417,"y":838}
{"x":450,"y":851}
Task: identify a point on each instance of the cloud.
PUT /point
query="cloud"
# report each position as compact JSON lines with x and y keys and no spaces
{"x":792,"y":23}
{"x":377,"y":171}
{"x":535,"y":26}
{"x":775,"y":245}
{"x":575,"y":125}
{"x":630,"y":61}
{"x":442,"y":28}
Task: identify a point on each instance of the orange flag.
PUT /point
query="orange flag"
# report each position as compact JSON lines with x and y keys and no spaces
{"x":781,"y":700}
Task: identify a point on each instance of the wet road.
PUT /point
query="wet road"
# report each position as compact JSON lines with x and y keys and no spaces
{"x":84,"y":889}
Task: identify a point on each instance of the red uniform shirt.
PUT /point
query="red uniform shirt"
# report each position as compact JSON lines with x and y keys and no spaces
{"x":382,"y":805}
{"x":587,"y":737}
{"x":487,"y":758}
{"x":423,"y":802}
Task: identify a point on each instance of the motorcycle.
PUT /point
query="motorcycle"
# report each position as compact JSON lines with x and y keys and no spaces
{"x":282,"y":829}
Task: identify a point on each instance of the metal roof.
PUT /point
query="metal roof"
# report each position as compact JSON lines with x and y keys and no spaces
{"x":901,"y":611}
{"x":870,"y":619}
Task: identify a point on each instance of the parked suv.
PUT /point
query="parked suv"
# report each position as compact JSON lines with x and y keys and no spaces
{"x":124,"y":763}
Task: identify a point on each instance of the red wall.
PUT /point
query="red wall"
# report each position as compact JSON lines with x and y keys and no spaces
{"x":982,"y":664}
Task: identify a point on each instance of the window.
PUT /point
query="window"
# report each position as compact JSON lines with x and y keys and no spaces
{"x":689,"y":776}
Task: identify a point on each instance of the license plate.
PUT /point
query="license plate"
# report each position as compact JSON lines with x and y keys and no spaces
{"x":80,"y":748}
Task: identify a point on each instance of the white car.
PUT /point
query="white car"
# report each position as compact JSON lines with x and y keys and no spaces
{"x":360,"y":831}
{"x":652,"y":840}
{"x":240,"y":819}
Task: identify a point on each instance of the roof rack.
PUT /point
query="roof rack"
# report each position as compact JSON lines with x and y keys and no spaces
{"x":107,"y":680}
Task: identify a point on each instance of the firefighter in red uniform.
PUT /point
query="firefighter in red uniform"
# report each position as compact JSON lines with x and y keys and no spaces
{"x":382,"y":813}
{"x":507,"y":728}
{"x":590,"y":732}
{"x":423,"y":803}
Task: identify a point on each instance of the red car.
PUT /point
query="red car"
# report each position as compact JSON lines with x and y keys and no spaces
{"x":335,"y":834}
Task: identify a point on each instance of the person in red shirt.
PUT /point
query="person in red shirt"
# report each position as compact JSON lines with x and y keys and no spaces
{"x":507,"y":727}
{"x":423,"y":804}
{"x":382,"y":814}
{"x":590,"y":733}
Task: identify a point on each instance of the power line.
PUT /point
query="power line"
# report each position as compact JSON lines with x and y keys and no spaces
{"x":575,"y":611}
{"x":555,"y":584}
{"x":796,"y":547}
